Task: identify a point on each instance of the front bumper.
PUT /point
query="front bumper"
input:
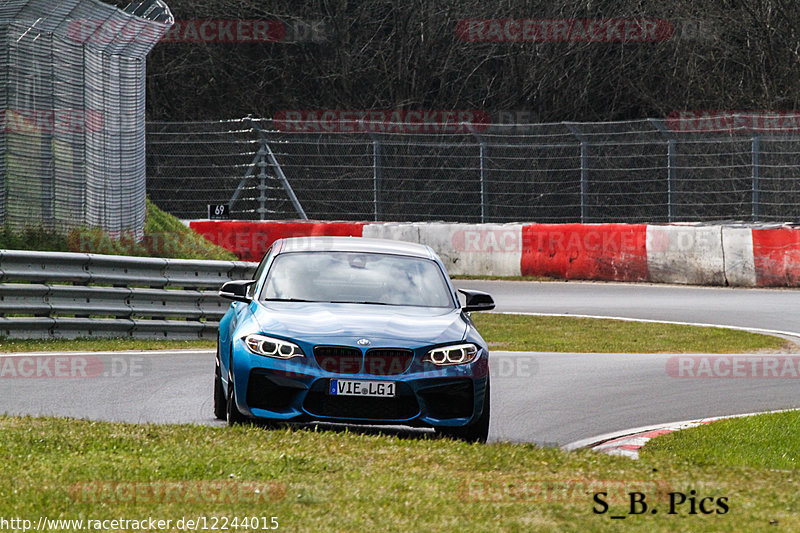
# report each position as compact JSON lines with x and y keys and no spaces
{"x":297,"y":390}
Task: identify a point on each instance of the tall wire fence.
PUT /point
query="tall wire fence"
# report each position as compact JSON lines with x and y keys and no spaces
{"x":635,"y":171}
{"x":72,"y":94}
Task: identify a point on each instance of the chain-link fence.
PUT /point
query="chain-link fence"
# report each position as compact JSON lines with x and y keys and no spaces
{"x":636,"y":171}
{"x":72,"y":93}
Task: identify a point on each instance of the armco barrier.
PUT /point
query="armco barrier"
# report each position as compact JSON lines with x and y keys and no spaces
{"x":734,"y":254}
{"x":53,"y":294}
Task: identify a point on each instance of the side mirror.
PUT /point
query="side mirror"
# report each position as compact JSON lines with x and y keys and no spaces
{"x":477,"y":301}
{"x":237,"y":290}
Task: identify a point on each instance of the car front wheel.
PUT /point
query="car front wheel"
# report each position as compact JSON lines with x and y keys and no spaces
{"x":220,"y":402}
{"x":233,"y":415}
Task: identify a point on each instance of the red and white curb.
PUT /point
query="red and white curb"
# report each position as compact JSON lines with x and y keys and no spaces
{"x":630,"y":445}
{"x":627,"y":443}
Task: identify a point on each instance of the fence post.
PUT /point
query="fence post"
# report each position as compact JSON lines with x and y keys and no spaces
{"x":484,"y":170}
{"x":756,"y":152}
{"x":484,"y":183}
{"x":377,"y":177}
{"x":670,"y":178}
{"x":48,"y":169}
{"x":250,"y":171}
{"x":262,"y":189}
{"x":671,"y":167}
{"x":584,"y":169}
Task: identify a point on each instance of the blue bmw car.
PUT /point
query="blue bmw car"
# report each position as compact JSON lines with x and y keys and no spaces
{"x":355,"y":331}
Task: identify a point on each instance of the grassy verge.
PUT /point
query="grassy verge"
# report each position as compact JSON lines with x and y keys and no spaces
{"x":567,"y":334}
{"x":510,"y":332}
{"x":764,"y":441}
{"x":326,"y":481}
{"x":164,"y":236}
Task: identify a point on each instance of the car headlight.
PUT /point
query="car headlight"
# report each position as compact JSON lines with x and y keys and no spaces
{"x":269,"y":347}
{"x":457,"y":354}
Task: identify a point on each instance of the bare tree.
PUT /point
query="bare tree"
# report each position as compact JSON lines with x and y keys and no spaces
{"x":391,"y":54}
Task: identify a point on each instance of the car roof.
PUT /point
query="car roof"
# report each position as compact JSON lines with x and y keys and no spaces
{"x":354,"y":244}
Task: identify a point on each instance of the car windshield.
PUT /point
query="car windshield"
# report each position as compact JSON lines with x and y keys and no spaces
{"x":349,"y":277}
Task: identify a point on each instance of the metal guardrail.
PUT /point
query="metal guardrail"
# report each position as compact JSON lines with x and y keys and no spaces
{"x":69,"y":295}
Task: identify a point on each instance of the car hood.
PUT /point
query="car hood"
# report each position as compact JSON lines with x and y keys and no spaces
{"x":316,"y":322}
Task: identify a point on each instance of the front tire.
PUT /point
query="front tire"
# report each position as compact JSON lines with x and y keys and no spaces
{"x":233,"y":415}
{"x":477,"y":431}
{"x":220,"y":402}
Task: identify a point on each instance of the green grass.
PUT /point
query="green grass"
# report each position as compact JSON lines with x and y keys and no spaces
{"x":513,"y":333}
{"x":36,"y":239}
{"x":176,"y":236}
{"x":164,"y":236}
{"x":352,"y":481}
{"x":568,"y":334}
{"x":99,"y":345}
{"x":764,"y":441}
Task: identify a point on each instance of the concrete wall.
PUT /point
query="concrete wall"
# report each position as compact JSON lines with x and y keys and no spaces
{"x":735,"y":255}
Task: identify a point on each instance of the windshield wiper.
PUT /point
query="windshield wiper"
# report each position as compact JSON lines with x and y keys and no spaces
{"x":289,"y":300}
{"x":352,"y":302}
{"x":324,"y":301}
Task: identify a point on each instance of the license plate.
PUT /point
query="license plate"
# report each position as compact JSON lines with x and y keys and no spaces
{"x":352,"y":387}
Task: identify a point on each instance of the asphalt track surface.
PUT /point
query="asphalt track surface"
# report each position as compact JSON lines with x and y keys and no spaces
{"x":547,"y":398}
